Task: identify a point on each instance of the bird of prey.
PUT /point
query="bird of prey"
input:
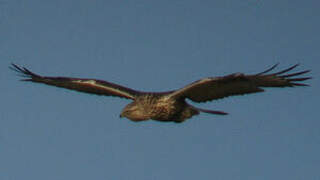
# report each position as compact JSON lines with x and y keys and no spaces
{"x":171,"y":106}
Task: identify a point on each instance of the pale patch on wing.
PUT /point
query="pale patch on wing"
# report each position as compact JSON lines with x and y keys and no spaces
{"x":102,"y":86}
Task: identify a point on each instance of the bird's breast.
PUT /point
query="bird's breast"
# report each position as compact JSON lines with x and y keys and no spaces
{"x":161,"y":108}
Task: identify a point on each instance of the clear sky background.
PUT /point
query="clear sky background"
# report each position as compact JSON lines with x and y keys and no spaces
{"x":51,"y":133}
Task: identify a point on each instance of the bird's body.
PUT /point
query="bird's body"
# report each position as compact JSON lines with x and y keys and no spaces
{"x":160,"y":107}
{"x":171,"y":106}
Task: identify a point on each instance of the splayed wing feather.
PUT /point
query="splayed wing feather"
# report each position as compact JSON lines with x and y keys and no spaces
{"x":295,"y":74}
{"x":286,"y":70}
{"x":92,"y":86}
{"x":268,"y":70}
{"x":239,"y":84}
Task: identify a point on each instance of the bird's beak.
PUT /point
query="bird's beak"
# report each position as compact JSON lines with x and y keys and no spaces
{"x":120,"y":116}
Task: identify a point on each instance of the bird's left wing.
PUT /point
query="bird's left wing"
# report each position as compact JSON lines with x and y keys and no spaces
{"x":208,"y":89}
{"x":92,"y":86}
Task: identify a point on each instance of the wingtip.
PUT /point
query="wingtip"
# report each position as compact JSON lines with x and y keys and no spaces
{"x":22,"y":71}
{"x":276,"y":64}
{"x":14,"y":67}
{"x":300,"y":84}
{"x":269,"y":69}
{"x":286,"y":70}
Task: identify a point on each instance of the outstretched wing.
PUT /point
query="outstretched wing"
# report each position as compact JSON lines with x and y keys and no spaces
{"x":238,"y":84}
{"x":92,"y":86}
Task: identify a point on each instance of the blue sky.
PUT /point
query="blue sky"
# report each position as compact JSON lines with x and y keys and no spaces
{"x":51,"y":133}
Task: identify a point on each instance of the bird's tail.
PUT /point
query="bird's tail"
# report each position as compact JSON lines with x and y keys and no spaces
{"x":212,"y":111}
{"x":209,"y":111}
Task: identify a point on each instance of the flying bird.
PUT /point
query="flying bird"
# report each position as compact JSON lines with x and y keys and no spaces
{"x":171,"y":106}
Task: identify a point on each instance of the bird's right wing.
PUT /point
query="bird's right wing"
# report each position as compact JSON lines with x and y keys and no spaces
{"x":92,"y":86}
{"x":211,"y":88}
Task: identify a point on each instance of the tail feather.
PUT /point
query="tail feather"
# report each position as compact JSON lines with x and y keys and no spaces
{"x":212,"y":111}
{"x":209,"y":111}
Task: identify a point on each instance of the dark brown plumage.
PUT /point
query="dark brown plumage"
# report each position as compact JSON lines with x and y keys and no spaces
{"x":171,"y":106}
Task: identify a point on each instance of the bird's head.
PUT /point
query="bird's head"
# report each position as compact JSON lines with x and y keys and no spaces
{"x":134,"y":112}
